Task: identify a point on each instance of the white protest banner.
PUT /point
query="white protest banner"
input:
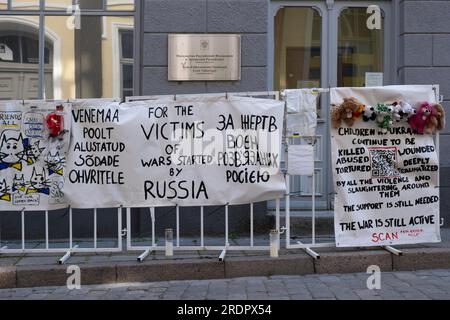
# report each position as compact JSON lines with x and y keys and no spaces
{"x":189,"y":152}
{"x":385,"y":180}
{"x":33,"y":144}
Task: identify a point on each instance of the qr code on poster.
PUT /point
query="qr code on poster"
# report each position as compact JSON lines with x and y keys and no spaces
{"x":384,"y":162}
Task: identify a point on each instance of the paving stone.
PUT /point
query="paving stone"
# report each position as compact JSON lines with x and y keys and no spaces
{"x":301,"y":297}
{"x":342,"y":293}
{"x":37,"y":296}
{"x":257,"y":296}
{"x":388,"y":294}
{"x":414,"y":295}
{"x":237,"y":296}
{"x":368,"y":294}
{"x":5,"y":295}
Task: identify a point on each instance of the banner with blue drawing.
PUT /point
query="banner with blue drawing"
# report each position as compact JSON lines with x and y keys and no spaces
{"x":34,"y":139}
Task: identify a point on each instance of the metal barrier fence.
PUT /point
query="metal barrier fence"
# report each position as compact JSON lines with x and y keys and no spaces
{"x":201,"y":247}
{"x":72,"y":246}
{"x":169,"y":246}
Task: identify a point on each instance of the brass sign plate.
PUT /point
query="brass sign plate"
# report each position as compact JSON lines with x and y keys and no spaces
{"x":204,"y":57}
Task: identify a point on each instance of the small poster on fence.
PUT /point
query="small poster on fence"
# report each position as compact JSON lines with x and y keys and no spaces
{"x":33,"y":147}
{"x":189,"y":152}
{"x":385,"y":165}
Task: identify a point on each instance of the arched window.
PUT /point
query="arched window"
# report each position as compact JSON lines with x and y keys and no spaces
{"x":19,"y":62}
{"x":16,"y":48}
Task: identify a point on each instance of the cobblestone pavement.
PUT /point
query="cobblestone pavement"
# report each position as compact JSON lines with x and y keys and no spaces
{"x":428,"y":284}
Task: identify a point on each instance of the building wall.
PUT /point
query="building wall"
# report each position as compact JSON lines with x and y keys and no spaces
{"x":246,"y":17}
{"x":425,"y":59}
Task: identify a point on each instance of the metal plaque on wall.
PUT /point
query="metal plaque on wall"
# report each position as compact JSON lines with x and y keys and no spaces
{"x":204,"y":57}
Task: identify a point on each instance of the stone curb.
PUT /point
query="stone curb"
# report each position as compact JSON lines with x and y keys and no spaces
{"x":170,"y":270}
{"x":423,"y":258}
{"x":233,"y":267}
{"x":298,"y":264}
{"x":355,"y":261}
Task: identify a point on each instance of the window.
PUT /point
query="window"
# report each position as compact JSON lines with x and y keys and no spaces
{"x":21,"y":49}
{"x":360,"y":50}
{"x":297,"y":48}
{"x":87,"y":50}
{"x":126,"y":62}
{"x":298,"y":53}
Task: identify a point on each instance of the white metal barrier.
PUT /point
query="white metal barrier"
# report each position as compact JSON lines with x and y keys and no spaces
{"x":202,"y":247}
{"x":73,"y":247}
{"x":154,"y":246}
{"x":287,"y":228}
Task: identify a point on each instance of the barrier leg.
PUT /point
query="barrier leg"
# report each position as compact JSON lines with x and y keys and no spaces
{"x":67,"y":256}
{"x":119,"y":228}
{"x":152,"y":216}
{"x":251,"y":225}
{"x":145,"y":254}
{"x":222,"y":254}
{"x":128,"y":228}
{"x":310,"y":252}
{"x":46,"y":231}
{"x":70,"y":229}
{"x":287,"y":214}
{"x":226,"y":226}
{"x":202,"y":228}
{"x":313,"y":192}
{"x":277,"y":221}
{"x":178,"y":225}
{"x":95,"y":228}
{"x":23,"y":228}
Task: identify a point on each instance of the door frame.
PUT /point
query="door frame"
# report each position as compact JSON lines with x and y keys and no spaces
{"x":387,"y":12}
{"x":321,"y":8}
{"x":330,"y":10}
{"x":329,"y":14}
{"x":274,"y":6}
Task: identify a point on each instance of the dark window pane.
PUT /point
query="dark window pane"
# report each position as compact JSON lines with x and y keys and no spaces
{"x":9,"y":49}
{"x":127,"y":76}
{"x":46,"y":55}
{"x":30,"y":50}
{"x":127,"y":44}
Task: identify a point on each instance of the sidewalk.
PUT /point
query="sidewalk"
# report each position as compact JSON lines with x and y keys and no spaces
{"x":423,"y":285}
{"x":42,"y":270}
